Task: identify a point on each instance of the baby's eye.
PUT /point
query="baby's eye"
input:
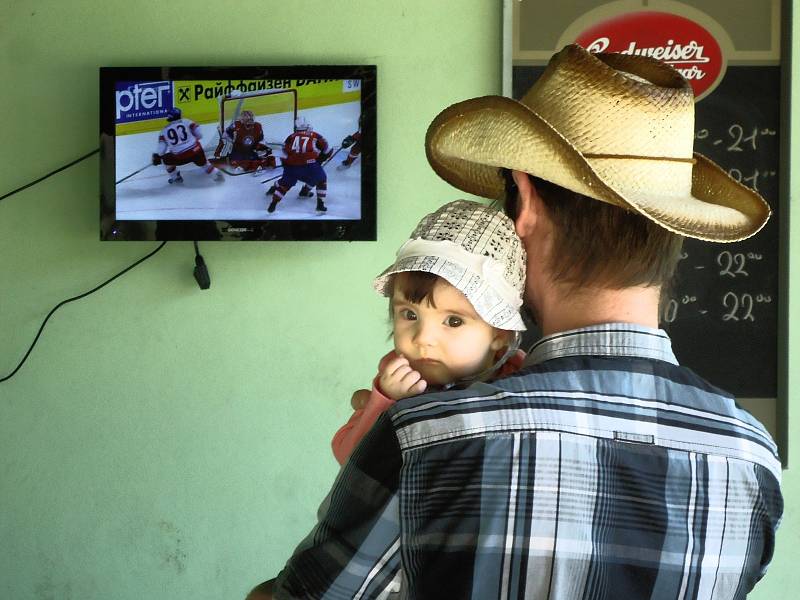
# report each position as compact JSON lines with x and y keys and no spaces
{"x":454,"y":321}
{"x":408,"y":314}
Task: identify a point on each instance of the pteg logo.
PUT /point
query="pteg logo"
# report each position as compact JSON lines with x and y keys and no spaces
{"x":143,"y":100}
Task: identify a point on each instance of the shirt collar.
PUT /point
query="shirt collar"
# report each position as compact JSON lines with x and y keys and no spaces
{"x":609,"y":339}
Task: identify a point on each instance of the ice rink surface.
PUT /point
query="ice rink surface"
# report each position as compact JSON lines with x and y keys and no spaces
{"x":148,"y":196}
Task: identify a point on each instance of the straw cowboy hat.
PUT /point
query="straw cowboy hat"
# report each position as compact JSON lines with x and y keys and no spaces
{"x":614,"y":127}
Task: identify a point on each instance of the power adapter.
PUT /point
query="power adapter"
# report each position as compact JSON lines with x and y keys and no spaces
{"x":201,"y":275}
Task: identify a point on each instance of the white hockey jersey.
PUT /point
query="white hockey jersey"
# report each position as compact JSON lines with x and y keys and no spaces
{"x":178,"y":136}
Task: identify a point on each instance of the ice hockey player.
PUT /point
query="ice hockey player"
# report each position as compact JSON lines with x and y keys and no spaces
{"x":353,"y":140}
{"x":243,"y":143}
{"x":304,"y":152}
{"x":179,"y":144}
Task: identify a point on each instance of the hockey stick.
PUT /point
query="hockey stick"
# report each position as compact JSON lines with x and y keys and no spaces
{"x":150,"y":164}
{"x":272,"y":178}
{"x":330,"y":158}
{"x":232,"y":173}
{"x":223,"y":165}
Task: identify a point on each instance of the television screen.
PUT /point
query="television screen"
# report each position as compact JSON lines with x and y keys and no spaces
{"x":238,"y":153}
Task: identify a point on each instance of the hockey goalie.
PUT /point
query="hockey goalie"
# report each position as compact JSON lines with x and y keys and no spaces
{"x":242,"y":144}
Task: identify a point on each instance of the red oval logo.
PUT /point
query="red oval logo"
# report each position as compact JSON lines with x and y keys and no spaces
{"x":676,"y":40}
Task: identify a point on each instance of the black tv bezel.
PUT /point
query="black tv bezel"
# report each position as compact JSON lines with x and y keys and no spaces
{"x":364,"y":229}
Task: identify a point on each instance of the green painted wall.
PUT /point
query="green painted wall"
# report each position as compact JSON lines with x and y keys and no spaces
{"x":163,"y":442}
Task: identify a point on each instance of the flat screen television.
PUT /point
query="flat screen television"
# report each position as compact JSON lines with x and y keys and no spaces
{"x":238,"y":153}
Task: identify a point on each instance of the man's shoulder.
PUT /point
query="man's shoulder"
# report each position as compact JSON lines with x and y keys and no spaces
{"x":610,"y":375}
{"x":598,"y":397}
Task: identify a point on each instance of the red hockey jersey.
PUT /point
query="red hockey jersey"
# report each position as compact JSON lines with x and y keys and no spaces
{"x":303,"y":148}
{"x":245,"y":137}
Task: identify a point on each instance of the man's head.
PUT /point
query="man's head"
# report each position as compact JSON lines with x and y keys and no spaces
{"x":247,"y":117}
{"x":616,"y":128}
{"x":173,"y":114}
{"x":594,"y":244}
{"x":605,"y":143}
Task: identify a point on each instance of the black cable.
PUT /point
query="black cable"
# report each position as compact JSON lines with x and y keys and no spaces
{"x":62,"y":303}
{"x":27,"y":185}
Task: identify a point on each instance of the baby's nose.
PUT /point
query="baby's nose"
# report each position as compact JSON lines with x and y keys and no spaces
{"x":425,"y":334}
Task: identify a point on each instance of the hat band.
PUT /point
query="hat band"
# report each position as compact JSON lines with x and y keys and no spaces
{"x":637,"y":157}
{"x":489,"y":269}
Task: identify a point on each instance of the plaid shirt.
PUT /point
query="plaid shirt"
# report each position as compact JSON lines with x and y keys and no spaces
{"x":602,"y":470}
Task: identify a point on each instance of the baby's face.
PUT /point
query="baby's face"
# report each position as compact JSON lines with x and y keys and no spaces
{"x":446,"y":340}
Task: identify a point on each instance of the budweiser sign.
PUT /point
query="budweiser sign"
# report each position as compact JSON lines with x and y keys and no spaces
{"x":676,"y":40}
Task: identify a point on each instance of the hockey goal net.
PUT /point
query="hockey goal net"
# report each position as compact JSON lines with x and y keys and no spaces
{"x":276,"y":110}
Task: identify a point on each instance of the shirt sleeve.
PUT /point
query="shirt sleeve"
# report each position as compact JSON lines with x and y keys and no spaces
{"x":361,"y":421}
{"x":354,"y":550}
{"x":771,"y":512}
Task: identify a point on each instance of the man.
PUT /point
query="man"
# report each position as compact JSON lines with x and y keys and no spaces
{"x":179,"y":144}
{"x":603,"y":470}
{"x":304,"y":152}
{"x":243,"y":145}
{"x":354,"y":140}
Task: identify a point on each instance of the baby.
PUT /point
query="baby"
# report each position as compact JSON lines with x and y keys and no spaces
{"x":455,"y":292}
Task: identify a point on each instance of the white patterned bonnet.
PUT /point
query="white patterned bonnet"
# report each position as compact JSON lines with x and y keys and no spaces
{"x":474,"y":248}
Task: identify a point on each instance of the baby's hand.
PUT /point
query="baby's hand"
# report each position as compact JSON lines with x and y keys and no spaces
{"x":359,"y":399}
{"x":398,"y":380}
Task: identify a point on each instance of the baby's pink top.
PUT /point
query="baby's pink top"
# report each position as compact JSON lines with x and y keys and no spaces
{"x":348,"y":436}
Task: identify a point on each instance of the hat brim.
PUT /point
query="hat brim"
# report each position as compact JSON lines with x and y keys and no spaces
{"x":490,"y":307}
{"x":468,"y":143}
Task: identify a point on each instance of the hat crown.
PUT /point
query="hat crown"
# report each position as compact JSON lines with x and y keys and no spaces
{"x":616,"y":104}
{"x":610,"y":127}
{"x":480,"y":230}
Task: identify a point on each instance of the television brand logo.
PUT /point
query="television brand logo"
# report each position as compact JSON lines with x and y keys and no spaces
{"x":674,"y":39}
{"x":137,"y":101}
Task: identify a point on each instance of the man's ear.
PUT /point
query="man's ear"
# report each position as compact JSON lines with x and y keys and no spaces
{"x":528,"y":204}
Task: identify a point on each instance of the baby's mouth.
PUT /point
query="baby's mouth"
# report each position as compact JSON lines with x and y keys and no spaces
{"x":427,"y":361}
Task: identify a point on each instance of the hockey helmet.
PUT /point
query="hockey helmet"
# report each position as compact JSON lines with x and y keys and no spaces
{"x":247,"y":116}
{"x":173,"y":114}
{"x":302,"y":124}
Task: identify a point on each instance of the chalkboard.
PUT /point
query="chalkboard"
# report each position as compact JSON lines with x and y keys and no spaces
{"x":723,"y":317}
{"x":723,"y":313}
